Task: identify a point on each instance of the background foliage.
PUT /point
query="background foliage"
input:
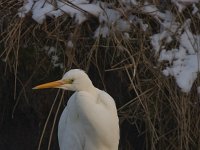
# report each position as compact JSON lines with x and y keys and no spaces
{"x":154,"y":113}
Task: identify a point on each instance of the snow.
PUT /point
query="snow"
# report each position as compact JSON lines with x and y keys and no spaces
{"x":72,"y":12}
{"x":25,"y":8}
{"x":138,"y":21}
{"x":180,"y":60}
{"x":93,"y":9}
{"x":76,"y":9}
{"x":195,"y":9}
{"x":103,"y":31}
{"x":40,"y":9}
{"x":128,"y":2}
{"x":168,"y":26}
{"x":185,"y":71}
{"x":156,"y":40}
{"x":153,"y":11}
{"x":184,"y":60}
{"x":109,"y":16}
{"x":126,"y":35}
{"x":53,"y":54}
{"x":122,"y":25}
{"x":50,"y":50}
{"x":182,"y":4}
{"x":70,"y":44}
{"x":188,"y":41}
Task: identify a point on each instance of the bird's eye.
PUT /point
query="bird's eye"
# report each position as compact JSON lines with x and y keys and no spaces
{"x":68,"y":81}
{"x":71,"y":80}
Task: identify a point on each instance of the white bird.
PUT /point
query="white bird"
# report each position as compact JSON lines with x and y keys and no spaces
{"x":89,"y":121}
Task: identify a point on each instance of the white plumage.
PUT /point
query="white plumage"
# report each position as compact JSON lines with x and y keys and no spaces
{"x":89,"y":121}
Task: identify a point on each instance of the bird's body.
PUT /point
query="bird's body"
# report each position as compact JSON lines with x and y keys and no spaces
{"x":89,"y":121}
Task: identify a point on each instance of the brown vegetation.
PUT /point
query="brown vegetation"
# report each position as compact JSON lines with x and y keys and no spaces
{"x":154,"y":113}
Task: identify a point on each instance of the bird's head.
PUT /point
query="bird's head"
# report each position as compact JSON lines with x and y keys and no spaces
{"x":74,"y":80}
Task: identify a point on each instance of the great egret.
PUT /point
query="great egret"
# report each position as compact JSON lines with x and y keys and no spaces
{"x":89,"y":121}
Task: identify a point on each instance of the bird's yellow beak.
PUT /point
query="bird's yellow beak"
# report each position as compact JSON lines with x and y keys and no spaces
{"x":54,"y":84}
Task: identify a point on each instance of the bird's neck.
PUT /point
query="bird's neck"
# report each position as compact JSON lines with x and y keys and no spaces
{"x":84,"y":85}
{"x":91,"y":89}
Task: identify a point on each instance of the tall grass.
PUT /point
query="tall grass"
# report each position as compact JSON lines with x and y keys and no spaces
{"x":166,"y":118}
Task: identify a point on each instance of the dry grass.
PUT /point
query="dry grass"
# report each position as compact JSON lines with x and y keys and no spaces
{"x":167,"y":118}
